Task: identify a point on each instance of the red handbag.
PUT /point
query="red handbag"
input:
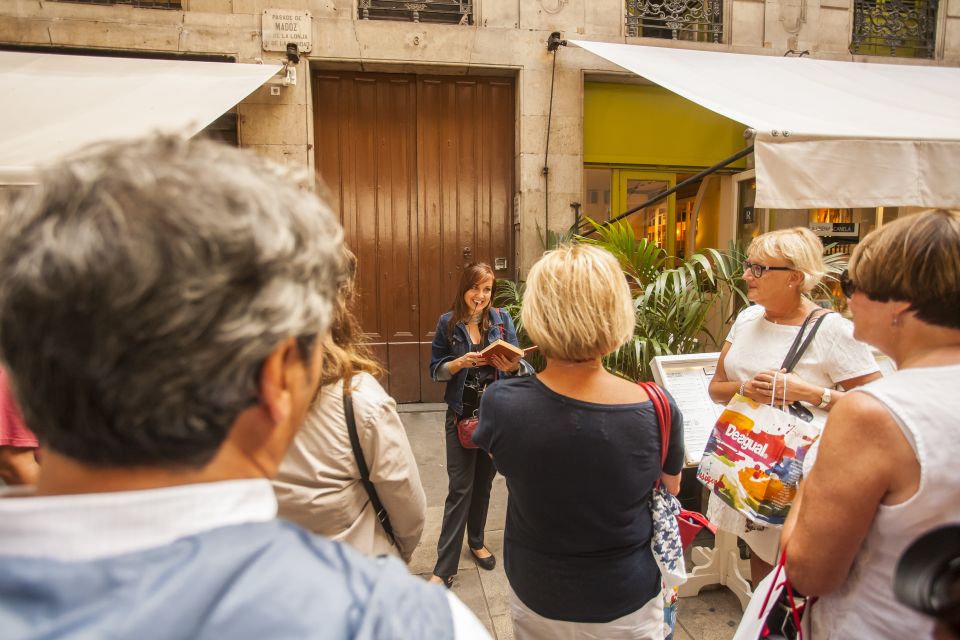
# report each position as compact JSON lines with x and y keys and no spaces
{"x":690,"y":522}
{"x":465,"y":428}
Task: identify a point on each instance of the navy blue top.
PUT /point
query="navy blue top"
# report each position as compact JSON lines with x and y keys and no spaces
{"x":579,"y":475}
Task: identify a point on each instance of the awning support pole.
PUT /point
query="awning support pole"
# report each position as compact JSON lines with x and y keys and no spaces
{"x":665,"y":194}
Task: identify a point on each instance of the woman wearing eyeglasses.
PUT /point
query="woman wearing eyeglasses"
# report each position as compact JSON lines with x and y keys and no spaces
{"x":887,"y":467}
{"x":781,"y":268}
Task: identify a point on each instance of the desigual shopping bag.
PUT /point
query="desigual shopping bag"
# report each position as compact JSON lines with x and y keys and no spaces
{"x":754,"y":458}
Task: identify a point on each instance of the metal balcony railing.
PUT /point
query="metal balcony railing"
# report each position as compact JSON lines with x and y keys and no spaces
{"x":141,"y":4}
{"x":447,"y":12}
{"x":691,"y":20}
{"x":902,"y":28}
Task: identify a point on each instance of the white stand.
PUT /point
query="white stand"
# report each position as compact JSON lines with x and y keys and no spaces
{"x":720,"y":565}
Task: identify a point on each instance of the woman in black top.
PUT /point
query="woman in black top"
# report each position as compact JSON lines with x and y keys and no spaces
{"x":469,"y":326}
{"x":580,"y":450}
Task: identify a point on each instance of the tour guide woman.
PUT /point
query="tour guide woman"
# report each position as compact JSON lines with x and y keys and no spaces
{"x":468,"y":327}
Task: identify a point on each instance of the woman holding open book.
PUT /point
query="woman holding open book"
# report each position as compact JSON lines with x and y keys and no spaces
{"x":580,"y":449}
{"x":470,"y":326}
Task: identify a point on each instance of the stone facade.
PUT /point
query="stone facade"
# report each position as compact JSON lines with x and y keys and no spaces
{"x":507,"y":37}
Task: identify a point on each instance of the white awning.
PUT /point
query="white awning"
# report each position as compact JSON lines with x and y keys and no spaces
{"x":829,"y":133}
{"x":53,"y":104}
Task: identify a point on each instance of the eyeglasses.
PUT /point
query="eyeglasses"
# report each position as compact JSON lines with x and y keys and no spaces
{"x":847,"y":285}
{"x":758,"y":269}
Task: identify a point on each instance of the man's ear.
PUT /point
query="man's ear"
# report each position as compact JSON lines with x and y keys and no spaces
{"x":275,"y":393}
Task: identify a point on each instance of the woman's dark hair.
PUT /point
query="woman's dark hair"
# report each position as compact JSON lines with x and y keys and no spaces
{"x":914,"y":259}
{"x":472,"y":274}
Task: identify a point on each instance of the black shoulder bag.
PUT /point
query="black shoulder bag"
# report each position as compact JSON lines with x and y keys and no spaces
{"x":364,"y":471}
{"x":796,"y":352}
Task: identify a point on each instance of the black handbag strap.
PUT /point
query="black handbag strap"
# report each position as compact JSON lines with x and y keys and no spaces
{"x":800,"y":344}
{"x":378,"y":509}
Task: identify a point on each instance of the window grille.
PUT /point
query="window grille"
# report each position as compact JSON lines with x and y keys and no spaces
{"x":446,"y":12}
{"x":691,"y":20}
{"x":902,"y":28}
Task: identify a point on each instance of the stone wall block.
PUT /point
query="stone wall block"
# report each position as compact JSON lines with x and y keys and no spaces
{"x":208,"y":6}
{"x":203,"y":39}
{"x":553,"y":15}
{"x":951,"y":42}
{"x":225,"y":22}
{"x":567,"y":90}
{"x":245,"y":6}
{"x":69,"y":11}
{"x":835,"y":26}
{"x":566,"y":134}
{"x":267,"y":124}
{"x":746,"y":24}
{"x":24,"y":31}
{"x":497,"y":14}
{"x":566,"y":171}
{"x":604,"y":19}
{"x":335,"y":39}
{"x":295,"y":154}
{"x":115,"y":35}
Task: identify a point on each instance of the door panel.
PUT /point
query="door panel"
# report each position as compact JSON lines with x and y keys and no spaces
{"x":465,"y":166}
{"x":422,"y":170}
{"x":366,"y":151}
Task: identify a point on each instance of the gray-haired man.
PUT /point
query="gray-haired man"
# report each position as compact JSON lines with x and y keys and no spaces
{"x":159,"y":306}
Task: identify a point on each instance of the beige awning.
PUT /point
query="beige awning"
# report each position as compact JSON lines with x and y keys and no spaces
{"x":53,"y":104}
{"x":828,"y":133}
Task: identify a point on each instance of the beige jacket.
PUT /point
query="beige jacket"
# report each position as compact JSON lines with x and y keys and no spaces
{"x":318,"y":485}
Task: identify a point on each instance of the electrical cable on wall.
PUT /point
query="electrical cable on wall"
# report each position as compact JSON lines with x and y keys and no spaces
{"x":553,"y":43}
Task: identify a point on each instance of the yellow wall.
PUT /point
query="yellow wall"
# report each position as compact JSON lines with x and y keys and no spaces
{"x":648,"y":125}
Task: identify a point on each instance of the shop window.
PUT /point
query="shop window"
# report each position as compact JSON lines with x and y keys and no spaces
{"x":691,"y":20}
{"x":597,"y":196}
{"x":901,"y":28}
{"x":446,"y":12}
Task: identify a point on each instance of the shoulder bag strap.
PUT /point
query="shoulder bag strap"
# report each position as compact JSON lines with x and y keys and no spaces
{"x":378,"y":509}
{"x":662,"y":407}
{"x":798,"y":348}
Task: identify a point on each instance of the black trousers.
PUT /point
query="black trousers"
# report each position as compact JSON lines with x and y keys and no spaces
{"x":470,"y":473}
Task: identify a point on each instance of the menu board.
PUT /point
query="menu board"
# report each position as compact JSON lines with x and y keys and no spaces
{"x":687,"y":377}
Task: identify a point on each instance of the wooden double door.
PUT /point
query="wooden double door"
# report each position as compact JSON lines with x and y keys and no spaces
{"x":422,"y":168}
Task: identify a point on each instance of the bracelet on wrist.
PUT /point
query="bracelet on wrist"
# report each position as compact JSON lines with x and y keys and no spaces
{"x":742,"y":385}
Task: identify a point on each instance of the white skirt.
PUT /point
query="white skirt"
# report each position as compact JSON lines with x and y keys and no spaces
{"x":646,"y":623}
{"x":764,"y":541}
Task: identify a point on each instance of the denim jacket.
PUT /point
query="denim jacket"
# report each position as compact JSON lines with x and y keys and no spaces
{"x":443,"y":351}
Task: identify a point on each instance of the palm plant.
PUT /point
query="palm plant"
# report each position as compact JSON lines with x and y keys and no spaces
{"x":680,"y":309}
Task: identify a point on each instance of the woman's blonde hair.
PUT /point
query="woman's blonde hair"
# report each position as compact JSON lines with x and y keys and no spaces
{"x":345,"y":351}
{"x":577,"y":304}
{"x":799,"y":247}
{"x":915,"y":259}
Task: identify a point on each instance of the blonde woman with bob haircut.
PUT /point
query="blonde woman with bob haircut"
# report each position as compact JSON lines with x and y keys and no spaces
{"x":782,"y":267}
{"x":580,"y":450}
{"x":318,"y":485}
{"x":887,"y":468}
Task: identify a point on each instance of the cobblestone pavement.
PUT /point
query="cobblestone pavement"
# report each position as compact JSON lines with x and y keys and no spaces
{"x":713,"y":615}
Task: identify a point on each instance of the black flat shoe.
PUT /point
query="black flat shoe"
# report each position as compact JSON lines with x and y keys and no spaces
{"x":447,"y":581}
{"x":487,"y":563}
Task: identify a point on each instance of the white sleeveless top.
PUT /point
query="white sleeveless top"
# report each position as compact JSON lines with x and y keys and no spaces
{"x":926,"y":405}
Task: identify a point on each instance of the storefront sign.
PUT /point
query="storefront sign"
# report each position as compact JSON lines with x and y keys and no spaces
{"x":836,"y":229}
{"x":285,"y":26}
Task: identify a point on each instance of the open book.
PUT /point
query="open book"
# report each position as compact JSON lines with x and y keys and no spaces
{"x":504,"y":349}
